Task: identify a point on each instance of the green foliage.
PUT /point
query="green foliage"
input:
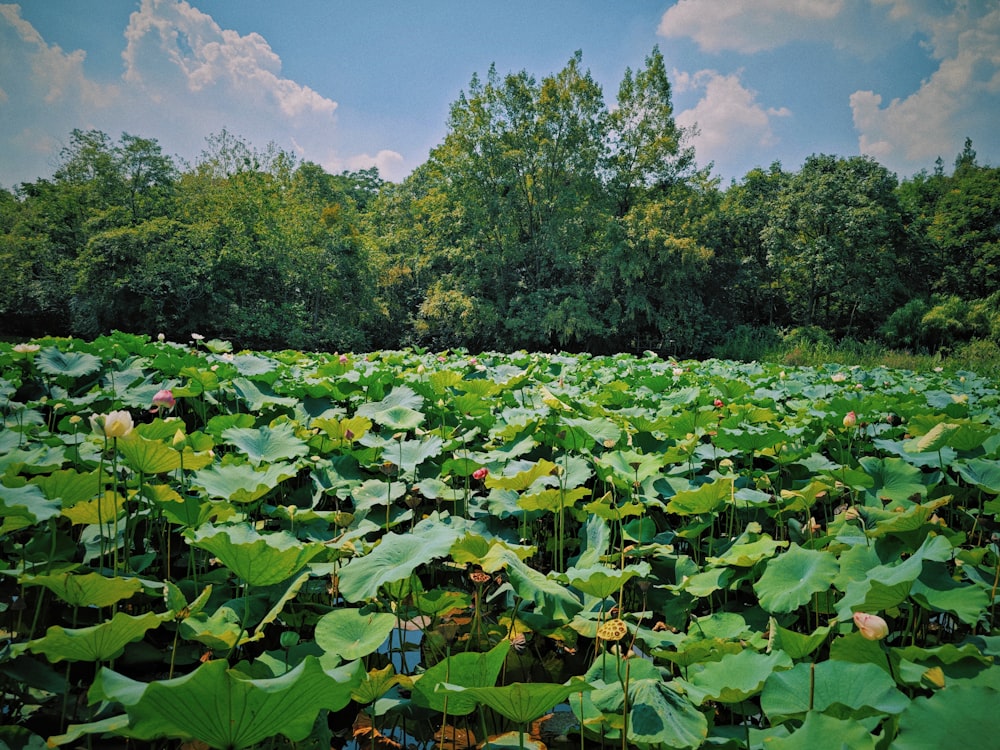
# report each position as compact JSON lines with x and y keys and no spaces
{"x":434,"y":533}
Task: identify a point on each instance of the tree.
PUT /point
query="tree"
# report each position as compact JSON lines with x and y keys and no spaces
{"x":966,"y":230}
{"x":744,"y":214}
{"x":835,"y":235}
{"x":522,"y":161}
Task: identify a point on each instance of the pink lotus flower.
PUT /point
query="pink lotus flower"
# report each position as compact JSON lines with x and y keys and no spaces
{"x":718,"y":403}
{"x":481,"y":474}
{"x":850,"y":419}
{"x":872,"y":627}
{"x":164,"y":399}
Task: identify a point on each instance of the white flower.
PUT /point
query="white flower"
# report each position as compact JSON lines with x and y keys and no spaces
{"x":115,"y":424}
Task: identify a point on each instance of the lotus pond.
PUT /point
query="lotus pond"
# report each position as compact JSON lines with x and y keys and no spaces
{"x":203,"y":548}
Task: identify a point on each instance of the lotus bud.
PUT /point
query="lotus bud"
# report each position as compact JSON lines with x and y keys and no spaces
{"x":718,"y":403}
{"x":180,"y":439}
{"x":164,"y":399}
{"x":871,"y":627}
{"x":850,"y":419}
{"x":480,"y":474}
{"x":115,"y":424}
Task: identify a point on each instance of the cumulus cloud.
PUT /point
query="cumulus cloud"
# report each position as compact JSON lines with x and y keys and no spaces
{"x":175,"y":47}
{"x":183,"y":78}
{"x":391,"y":165}
{"x":749,"y":25}
{"x":959,"y":99}
{"x":41,"y":84}
{"x":728,"y":122}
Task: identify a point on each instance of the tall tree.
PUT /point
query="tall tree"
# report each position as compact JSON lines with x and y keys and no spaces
{"x":835,"y":235}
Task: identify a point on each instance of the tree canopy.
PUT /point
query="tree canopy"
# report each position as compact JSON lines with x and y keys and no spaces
{"x":547,"y":218}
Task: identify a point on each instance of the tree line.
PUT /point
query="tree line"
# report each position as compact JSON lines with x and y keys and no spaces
{"x":545,"y":219}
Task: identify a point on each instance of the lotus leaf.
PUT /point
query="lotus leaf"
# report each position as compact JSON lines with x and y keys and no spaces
{"x":822,"y":732}
{"x":87,"y":590}
{"x":68,"y":486}
{"x":226,"y":709}
{"x":840,"y":689}
{"x":521,"y":702}
{"x":395,"y":558}
{"x":981,"y":472}
{"x":26,"y":505}
{"x":734,"y":677}
{"x":790,"y":579}
{"x":707,"y":498}
{"x":886,"y":586}
{"x":469,"y":669}
{"x":241,"y":483}
{"x":259,"y":560}
{"x":53,"y":361}
{"x":350,"y":634}
{"x":894,"y":478}
{"x":267,"y":444}
{"x":550,"y":598}
{"x":96,"y":643}
{"x":149,"y":456}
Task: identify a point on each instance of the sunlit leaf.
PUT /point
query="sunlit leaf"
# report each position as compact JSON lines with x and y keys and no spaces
{"x":790,"y":579}
{"x":351,"y":634}
{"x":226,"y":709}
{"x":468,"y":669}
{"x":96,"y":643}
{"x":258,"y":559}
{"x":88,"y":589}
{"x":267,"y":444}
{"x":840,"y":689}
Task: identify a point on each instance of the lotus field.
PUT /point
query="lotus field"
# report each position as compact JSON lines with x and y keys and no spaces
{"x":210,"y":549}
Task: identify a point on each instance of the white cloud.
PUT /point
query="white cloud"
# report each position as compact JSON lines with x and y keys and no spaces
{"x":749,"y":25}
{"x":730,"y":124}
{"x":961,"y":98}
{"x":171,"y":43}
{"x":183,"y":78}
{"x":391,"y":165}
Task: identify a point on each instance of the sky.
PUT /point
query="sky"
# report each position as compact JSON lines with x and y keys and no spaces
{"x":351,"y":84}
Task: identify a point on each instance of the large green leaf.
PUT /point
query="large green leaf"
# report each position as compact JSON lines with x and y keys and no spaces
{"x":149,"y":456}
{"x":395,"y":558}
{"x":520,"y":702}
{"x":551,"y":599}
{"x":53,"y":361}
{"x":959,"y":716}
{"x":259,"y":560}
{"x":350,"y":634}
{"x":409,"y":454}
{"x":96,"y":643}
{"x":937,"y":590}
{"x":659,"y":714}
{"x":841,"y":689}
{"x":895,"y":479}
{"x":267,"y":444}
{"x":734,"y":677}
{"x":981,"y":472}
{"x":226,"y":709}
{"x":241,"y":483}
{"x":87,"y":590}
{"x":790,"y":579}
{"x":705,"y":499}
{"x":24,"y":506}
{"x":886,"y":586}
{"x":468,"y":669}
{"x":68,"y":486}
{"x":822,"y":732}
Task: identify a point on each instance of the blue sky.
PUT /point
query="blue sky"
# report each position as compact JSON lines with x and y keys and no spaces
{"x":356,"y":83}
